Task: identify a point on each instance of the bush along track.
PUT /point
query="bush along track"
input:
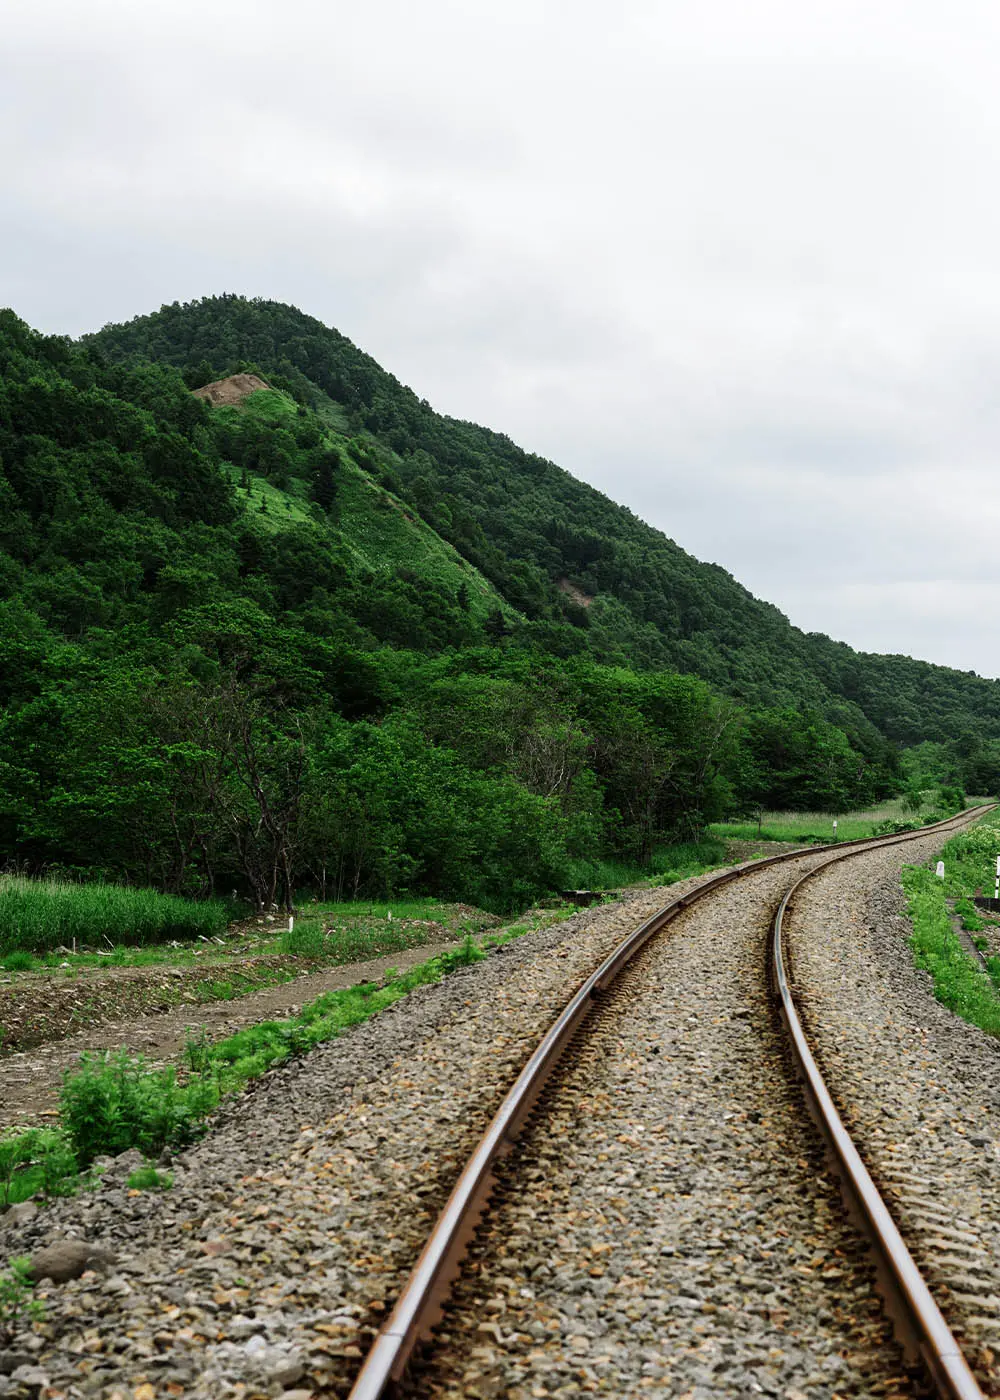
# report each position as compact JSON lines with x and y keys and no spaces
{"x":114,"y":1103}
{"x":959,"y":981}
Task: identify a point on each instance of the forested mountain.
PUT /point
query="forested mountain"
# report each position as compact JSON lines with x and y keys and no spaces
{"x":323,"y":637}
{"x":527,"y":524}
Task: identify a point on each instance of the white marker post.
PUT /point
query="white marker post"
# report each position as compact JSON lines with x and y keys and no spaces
{"x":940,"y":870}
{"x":996,"y":887}
{"x":291,"y":922}
{"x":835,"y":828}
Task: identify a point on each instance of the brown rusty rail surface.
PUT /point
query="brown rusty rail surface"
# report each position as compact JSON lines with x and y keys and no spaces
{"x":419,"y":1306}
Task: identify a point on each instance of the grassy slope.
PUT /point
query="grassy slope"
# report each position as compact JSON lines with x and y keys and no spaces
{"x":380,"y":532}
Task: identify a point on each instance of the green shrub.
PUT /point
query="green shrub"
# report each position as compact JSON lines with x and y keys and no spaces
{"x":980,"y":841}
{"x":467,"y":953}
{"x":17,"y":1151}
{"x":304,"y":941}
{"x":17,"y":962}
{"x":57,"y":1164}
{"x":196,"y":1050}
{"x":113,"y":1103}
{"x":149,"y":1179}
{"x":893,"y":828}
{"x":969,"y":915}
{"x":38,"y":1159}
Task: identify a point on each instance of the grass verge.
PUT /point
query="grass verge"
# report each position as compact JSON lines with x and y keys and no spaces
{"x":969,"y":865}
{"x":959,"y":984}
{"x":114,"y":1102}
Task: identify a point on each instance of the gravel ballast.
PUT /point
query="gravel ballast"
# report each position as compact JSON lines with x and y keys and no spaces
{"x":670,"y":1229}
{"x":918,"y":1088}
{"x":667,"y":1226}
{"x":290,"y":1228}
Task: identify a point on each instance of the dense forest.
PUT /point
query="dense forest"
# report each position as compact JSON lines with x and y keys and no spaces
{"x":326,"y":638}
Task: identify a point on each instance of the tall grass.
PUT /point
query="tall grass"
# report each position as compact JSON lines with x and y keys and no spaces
{"x":669,"y":863}
{"x":806,"y":826}
{"x":38,"y":915}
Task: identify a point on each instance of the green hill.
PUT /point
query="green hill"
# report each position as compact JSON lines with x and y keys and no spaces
{"x":527,"y":524}
{"x":319,"y":636}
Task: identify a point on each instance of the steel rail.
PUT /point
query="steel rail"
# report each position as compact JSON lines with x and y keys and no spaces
{"x":419,"y":1306}
{"x":919,"y":1324}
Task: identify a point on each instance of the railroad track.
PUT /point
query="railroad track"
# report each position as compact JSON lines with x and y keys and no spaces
{"x":589,"y":1028}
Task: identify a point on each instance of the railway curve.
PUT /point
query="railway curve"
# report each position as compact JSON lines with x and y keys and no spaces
{"x":420,"y":1306}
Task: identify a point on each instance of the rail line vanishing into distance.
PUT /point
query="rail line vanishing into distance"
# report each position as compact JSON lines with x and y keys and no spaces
{"x":919,"y":1325}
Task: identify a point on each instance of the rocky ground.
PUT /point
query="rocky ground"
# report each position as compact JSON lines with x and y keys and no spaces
{"x":290,"y":1227}
{"x":918,"y":1088}
{"x":671,"y":1230}
{"x":681,"y":1236}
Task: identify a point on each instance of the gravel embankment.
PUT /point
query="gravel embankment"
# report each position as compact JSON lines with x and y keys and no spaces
{"x":290,"y":1227}
{"x":670,"y":1230}
{"x":918,"y":1088}
{"x":667,"y":1227}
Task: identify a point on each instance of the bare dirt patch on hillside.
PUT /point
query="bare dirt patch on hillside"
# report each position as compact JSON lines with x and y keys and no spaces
{"x":574,"y":591}
{"x":231,"y":390}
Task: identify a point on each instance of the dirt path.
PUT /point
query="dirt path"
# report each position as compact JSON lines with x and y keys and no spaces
{"x":31,"y":1080}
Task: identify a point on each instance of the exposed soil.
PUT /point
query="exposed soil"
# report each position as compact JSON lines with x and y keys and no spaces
{"x":39,"y":1007}
{"x":574,"y":591}
{"x":232,"y":390}
{"x":32,"y":1079}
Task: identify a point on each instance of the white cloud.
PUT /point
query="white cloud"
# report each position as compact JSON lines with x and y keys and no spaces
{"x":734,"y":264}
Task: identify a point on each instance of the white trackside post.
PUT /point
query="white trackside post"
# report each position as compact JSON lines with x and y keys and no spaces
{"x":291,"y":922}
{"x":996,"y":887}
{"x":835,"y":828}
{"x":940,"y":869}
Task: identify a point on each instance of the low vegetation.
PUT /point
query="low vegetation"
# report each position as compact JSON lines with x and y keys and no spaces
{"x":355,"y":931}
{"x":332,"y":933}
{"x":959,"y":982}
{"x":38,"y":915}
{"x":17,"y":1303}
{"x":116,"y":1102}
{"x":669,"y":863}
{"x":806,"y":828}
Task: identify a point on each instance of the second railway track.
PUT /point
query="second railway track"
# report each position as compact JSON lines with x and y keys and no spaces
{"x":669,"y":1224}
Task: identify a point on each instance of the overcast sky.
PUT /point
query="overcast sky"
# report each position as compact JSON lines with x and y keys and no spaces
{"x":737,"y":263}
